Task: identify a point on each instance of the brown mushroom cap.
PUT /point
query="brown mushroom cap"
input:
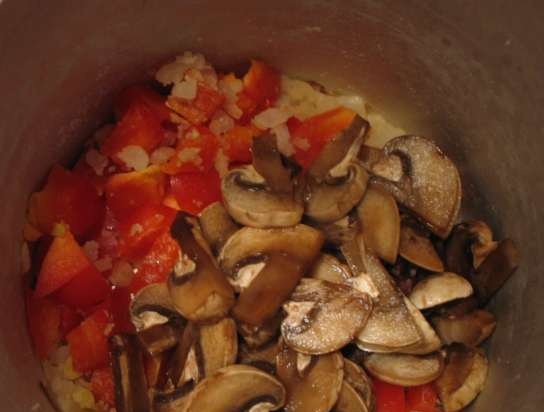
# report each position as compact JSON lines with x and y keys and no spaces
{"x":249,"y":202}
{"x":197,"y":287}
{"x":333,"y":198}
{"x":359,"y":380}
{"x":404,"y":370}
{"x":317,"y":390}
{"x":380,"y":223}
{"x":329,"y":268}
{"x":218,"y":345}
{"x":338,"y":313}
{"x":268,"y":162}
{"x":463,"y":378}
{"x":349,"y":400}
{"x":418,"y":249}
{"x":438,"y":289}
{"x":217,"y":225}
{"x":430,"y":186}
{"x":263,"y":358}
{"x":470,"y":329}
{"x":256,"y":336}
{"x":236,"y":388}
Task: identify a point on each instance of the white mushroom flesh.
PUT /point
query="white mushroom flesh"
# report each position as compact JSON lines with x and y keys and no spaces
{"x":438,"y":289}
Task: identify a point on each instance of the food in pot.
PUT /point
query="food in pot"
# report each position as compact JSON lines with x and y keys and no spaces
{"x":255,"y":244}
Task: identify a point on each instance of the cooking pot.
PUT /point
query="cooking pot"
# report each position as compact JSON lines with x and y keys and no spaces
{"x":467,"y":73}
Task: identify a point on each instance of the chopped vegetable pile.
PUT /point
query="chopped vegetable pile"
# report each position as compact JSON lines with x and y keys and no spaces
{"x":256,"y":244}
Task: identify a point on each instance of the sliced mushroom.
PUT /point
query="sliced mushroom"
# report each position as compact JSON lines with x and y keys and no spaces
{"x":128,"y":375}
{"x":250,"y":202}
{"x":390,"y":325}
{"x":359,"y":380}
{"x":182,"y":365}
{"x":329,"y":268}
{"x":217,"y":226}
{"x":404,"y":370}
{"x":197,"y":287}
{"x":237,"y":388}
{"x":155,"y":318}
{"x":218,"y":345}
{"x":463,"y":378}
{"x":337,"y":313}
{"x":495,"y":270}
{"x":430,"y":185}
{"x":418,"y":249}
{"x":174,"y":400}
{"x":263,"y":358}
{"x":267,"y":161}
{"x":380,"y":223}
{"x":340,"y":149}
{"x":334,"y":197}
{"x":287,"y":253}
{"x":438,"y":289}
{"x":470,"y":329}
{"x":429,"y":342}
{"x":349,"y":400}
{"x":458,"y":256}
{"x":483,"y":243}
{"x":256,"y":336}
{"x":340,"y":231}
{"x":319,"y":387}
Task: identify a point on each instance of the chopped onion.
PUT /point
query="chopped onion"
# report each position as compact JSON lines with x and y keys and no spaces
{"x":186,"y":89}
{"x":162,"y":155}
{"x":270,"y":118}
{"x":97,"y":161}
{"x":283,"y":139}
{"x":121,"y":274}
{"x":221,"y":123}
{"x":134,"y":157}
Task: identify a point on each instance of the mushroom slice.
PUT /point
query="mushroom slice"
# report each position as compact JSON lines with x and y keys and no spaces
{"x":430,"y":342}
{"x":286,"y":252}
{"x":334,"y":197}
{"x":198,"y":289}
{"x":470,"y":329}
{"x":316,"y":390}
{"x":340,"y":149}
{"x":267,"y":161}
{"x":256,"y":336}
{"x":237,"y":388}
{"x":174,"y":400}
{"x":483,"y":243}
{"x":430,"y":186}
{"x":182,"y":366}
{"x":340,"y":231}
{"x":404,"y":370}
{"x":357,"y":378}
{"x":263,"y":358}
{"x":390,"y":325}
{"x":495,"y":270}
{"x":438,"y":289}
{"x":128,"y":374}
{"x":418,"y":249}
{"x":380,"y":222}
{"x":329,"y":268}
{"x":217,"y":226}
{"x":250,"y":202}
{"x":218,"y":345}
{"x":349,"y":400}
{"x":463,"y":378}
{"x":155,"y":318}
{"x":336,"y":314}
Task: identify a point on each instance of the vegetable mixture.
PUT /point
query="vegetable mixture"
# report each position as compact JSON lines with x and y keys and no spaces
{"x":257,"y":244}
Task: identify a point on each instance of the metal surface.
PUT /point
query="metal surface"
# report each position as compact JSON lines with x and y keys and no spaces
{"x":467,"y":73}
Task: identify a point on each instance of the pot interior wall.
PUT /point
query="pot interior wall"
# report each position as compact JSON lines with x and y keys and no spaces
{"x":467,"y":74}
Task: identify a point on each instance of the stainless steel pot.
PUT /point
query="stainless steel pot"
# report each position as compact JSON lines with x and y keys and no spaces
{"x":466,"y":73}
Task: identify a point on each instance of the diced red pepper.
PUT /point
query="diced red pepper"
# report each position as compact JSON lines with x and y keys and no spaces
{"x":237,"y":143}
{"x":44,"y":322}
{"x":86,"y":289}
{"x":120,"y":302}
{"x":261,"y":89}
{"x":64,"y":261}
{"x":139,"y":229}
{"x":157,"y":264}
{"x":195,"y":152}
{"x":67,"y":197}
{"x":88,"y":342}
{"x":141,"y":94}
{"x":195,"y":191}
{"x":422,"y":398}
{"x":82,"y":168}
{"x":311,"y":135}
{"x":139,"y":126}
{"x":389,"y":398}
{"x":102,"y":386}
{"x":70,"y":318}
{"x":126,"y":192}
{"x":201,"y":108}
